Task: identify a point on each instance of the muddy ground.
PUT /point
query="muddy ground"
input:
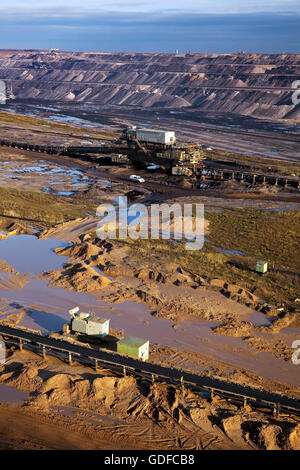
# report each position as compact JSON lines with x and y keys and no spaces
{"x":184,"y":298}
{"x":207,"y":312}
{"x":73,"y":407}
{"x":196,"y":321}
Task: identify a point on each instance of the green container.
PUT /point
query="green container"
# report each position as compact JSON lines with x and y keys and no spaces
{"x":261,"y":267}
{"x":134,"y":347}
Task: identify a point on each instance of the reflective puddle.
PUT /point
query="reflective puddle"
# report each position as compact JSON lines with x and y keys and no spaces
{"x":11,"y":395}
{"x":26,"y":253}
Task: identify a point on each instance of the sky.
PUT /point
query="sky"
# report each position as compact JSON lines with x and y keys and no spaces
{"x":205,"y":26}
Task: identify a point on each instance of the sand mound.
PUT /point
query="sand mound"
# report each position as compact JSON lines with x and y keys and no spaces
{"x":102,"y":389}
{"x":174,"y":411}
{"x":114,"y":392}
{"x":15,"y":228}
{"x":62,"y":389}
{"x":294,"y":438}
{"x":271,"y":437}
{"x":13,"y":319}
{"x":277,"y":347}
{"x":216,"y":282}
{"x":57,"y":381}
{"x":234,"y":328}
{"x":20,"y":228}
{"x":157,"y":404}
{"x":14,"y":281}
{"x":233,"y":428}
{"x":26,"y":377}
{"x":246,"y":330}
{"x":108,"y":392}
{"x":202,"y":418}
{"x":5,"y":267}
{"x":171,"y":275}
{"x":280,"y":323}
{"x":60,"y":229}
{"x":10,"y":278}
{"x":165,"y":404}
{"x":239,"y":294}
{"x":77,"y":276}
{"x":83,"y":251}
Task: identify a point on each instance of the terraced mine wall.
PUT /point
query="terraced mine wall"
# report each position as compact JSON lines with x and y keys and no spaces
{"x":258,"y":85}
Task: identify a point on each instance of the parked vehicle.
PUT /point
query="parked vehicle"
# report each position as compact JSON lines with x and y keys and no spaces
{"x":137,"y":178}
{"x":153,"y":167}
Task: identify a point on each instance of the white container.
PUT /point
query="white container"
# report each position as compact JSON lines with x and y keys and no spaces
{"x":156,"y":136}
{"x":91,"y":325}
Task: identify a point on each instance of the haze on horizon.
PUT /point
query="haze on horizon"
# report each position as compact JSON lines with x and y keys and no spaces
{"x":219,"y":26}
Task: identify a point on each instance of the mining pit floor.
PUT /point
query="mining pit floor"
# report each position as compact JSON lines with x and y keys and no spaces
{"x":205,"y":313}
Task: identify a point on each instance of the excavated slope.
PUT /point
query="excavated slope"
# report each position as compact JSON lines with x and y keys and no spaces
{"x":257,"y":85}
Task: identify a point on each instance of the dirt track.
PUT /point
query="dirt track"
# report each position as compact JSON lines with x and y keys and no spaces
{"x":21,"y":430}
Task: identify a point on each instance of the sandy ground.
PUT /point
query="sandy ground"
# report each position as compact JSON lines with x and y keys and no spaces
{"x":168,"y":292}
{"x":73,"y":407}
{"x":195,"y":322}
{"x":239,"y":340}
{"x":23,"y":430}
{"x":202,"y":324}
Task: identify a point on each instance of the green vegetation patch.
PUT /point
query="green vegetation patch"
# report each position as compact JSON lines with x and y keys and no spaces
{"x":46,"y":125}
{"x":40,"y":208}
{"x":273,"y":236}
{"x":270,"y":236}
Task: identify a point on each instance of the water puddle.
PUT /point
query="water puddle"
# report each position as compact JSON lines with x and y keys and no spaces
{"x":26,"y":253}
{"x":27,"y":169}
{"x":46,"y":307}
{"x":229,"y":252}
{"x":259,"y":319}
{"x":72,"y":120}
{"x":50,"y":174}
{"x":47,"y":310}
{"x":282,"y":209}
{"x":58,"y":193}
{"x":11,"y":395}
{"x":214,"y":210}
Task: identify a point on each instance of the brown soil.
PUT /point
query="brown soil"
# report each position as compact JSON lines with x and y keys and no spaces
{"x":179,"y":295}
{"x":77,"y":276}
{"x":197,"y":296}
{"x":10,"y":279}
{"x":108,"y":411}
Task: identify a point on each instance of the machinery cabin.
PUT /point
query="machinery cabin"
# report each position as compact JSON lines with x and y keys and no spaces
{"x":88,"y":324}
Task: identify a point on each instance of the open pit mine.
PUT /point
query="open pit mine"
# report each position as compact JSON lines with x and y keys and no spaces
{"x":257,"y":85}
{"x":140,"y":343}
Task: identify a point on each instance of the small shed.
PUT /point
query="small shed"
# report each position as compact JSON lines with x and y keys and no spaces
{"x":134,"y":347}
{"x":261,"y":267}
{"x":90,"y":325}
